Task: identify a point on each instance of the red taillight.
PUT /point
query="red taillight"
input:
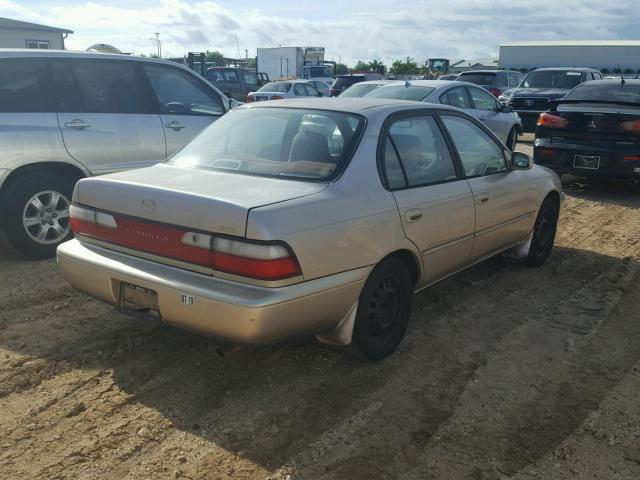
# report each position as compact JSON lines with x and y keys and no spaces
{"x":276,"y":97}
{"x":259,"y":260}
{"x":248,"y":99}
{"x":496,"y":92}
{"x":632,"y":158}
{"x":546,"y":152}
{"x":551,"y":121}
{"x":631,"y":126}
{"x":333,"y":92}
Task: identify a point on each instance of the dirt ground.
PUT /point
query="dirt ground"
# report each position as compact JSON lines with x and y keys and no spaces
{"x":506,"y":372}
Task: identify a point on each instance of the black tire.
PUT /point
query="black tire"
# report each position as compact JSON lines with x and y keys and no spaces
{"x":544,"y":233}
{"x":16,"y":198}
{"x":512,"y":139}
{"x":384,"y":308}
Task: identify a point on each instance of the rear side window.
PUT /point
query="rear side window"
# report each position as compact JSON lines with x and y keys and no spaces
{"x":456,"y":97}
{"x":250,"y":79}
{"x":514,"y":79}
{"x":24,"y":86}
{"x":96,"y":86}
{"x":343,"y":82}
{"x":416,"y":154}
{"x":483,"y":100}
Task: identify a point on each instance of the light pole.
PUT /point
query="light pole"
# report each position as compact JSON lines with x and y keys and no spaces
{"x":158,"y":43}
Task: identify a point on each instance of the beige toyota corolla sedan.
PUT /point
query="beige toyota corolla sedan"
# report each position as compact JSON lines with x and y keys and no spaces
{"x":309,"y":217}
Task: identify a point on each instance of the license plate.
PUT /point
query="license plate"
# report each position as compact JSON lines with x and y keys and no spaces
{"x":139,"y":301}
{"x":589,"y":162}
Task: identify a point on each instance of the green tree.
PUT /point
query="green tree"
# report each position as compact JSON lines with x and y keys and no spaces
{"x":377,"y":66}
{"x":341,"y":69}
{"x":215,"y":57}
{"x":404,"y":67}
{"x":361,"y":66}
{"x":628,"y":71}
{"x":605,"y":71}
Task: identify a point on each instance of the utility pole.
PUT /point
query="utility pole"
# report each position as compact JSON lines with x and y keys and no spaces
{"x":158,"y":44}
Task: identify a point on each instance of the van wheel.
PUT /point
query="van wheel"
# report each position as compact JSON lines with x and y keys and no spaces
{"x":384,"y":308}
{"x":512,"y":139}
{"x":37,"y":213}
{"x":544,"y":233}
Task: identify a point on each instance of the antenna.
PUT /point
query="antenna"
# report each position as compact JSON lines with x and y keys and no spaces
{"x":622,"y":82}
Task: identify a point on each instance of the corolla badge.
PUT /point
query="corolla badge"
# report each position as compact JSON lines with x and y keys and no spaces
{"x":148,"y":205}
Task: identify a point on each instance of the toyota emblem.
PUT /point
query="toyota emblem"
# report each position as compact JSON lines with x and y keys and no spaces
{"x":528,"y":103}
{"x":149,"y":206}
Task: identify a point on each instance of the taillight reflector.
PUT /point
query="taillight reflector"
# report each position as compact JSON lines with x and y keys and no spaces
{"x":631,"y":126}
{"x":632,"y":158}
{"x":276,"y":97}
{"x":551,"y":121}
{"x":248,"y":99}
{"x":263,"y":261}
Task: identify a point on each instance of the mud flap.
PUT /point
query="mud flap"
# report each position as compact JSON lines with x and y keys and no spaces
{"x":342,"y":334}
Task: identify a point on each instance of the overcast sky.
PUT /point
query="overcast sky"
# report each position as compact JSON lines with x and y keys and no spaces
{"x":350,"y":30}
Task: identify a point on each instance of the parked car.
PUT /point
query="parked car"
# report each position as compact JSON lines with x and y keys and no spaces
{"x":495,"y":81}
{"x":67,"y":115}
{"x":309,"y":216}
{"x":345,"y":81}
{"x":286,"y":89}
{"x":234,"y":82}
{"x":449,"y":76}
{"x":469,"y":97}
{"x":593,"y":131}
{"x":321,"y":86}
{"x":542,"y":86}
{"x":360,"y":89}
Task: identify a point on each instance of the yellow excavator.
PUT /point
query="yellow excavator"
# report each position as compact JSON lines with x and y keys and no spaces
{"x":436,"y":67}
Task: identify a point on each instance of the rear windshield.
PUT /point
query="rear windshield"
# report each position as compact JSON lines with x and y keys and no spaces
{"x":279,"y":87}
{"x":553,"y":79}
{"x":276,"y":142}
{"x":401,"y":92}
{"x":612,"y":92}
{"x":477,"y":78}
{"x":343,"y":82}
{"x":359,"y":90}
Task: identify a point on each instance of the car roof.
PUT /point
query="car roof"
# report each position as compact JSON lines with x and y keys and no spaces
{"x":577,"y":69}
{"x":382,"y":81}
{"x":614,"y":81}
{"x":487,"y":71}
{"x":355,"y":105}
{"x":46,"y":53}
{"x":428,"y":83}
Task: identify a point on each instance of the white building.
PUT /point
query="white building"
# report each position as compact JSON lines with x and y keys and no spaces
{"x":17,"y":34}
{"x":474,"y":64}
{"x":572,"y":53}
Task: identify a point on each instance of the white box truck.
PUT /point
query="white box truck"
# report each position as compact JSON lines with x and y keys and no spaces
{"x":290,"y":62}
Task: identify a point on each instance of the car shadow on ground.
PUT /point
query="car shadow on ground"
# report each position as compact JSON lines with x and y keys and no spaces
{"x":272,"y":406}
{"x":616,"y":192}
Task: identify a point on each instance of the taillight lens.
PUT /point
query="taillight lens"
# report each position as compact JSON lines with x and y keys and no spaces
{"x":276,"y":97}
{"x":259,"y":260}
{"x":631,"y":126}
{"x":248,"y":99}
{"x":551,"y":121}
{"x":632,"y":158}
{"x":496,"y":92}
{"x":333,"y":92}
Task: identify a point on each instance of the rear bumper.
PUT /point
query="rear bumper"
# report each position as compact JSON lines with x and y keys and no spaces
{"x":238,"y":312}
{"x":560,"y":158}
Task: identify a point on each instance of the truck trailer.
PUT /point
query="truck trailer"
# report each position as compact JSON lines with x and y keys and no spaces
{"x":294,"y":62}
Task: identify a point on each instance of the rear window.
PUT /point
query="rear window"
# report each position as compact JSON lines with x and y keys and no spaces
{"x":279,"y":87}
{"x":608,"y":92}
{"x":553,"y":79}
{"x":477,"y":78}
{"x":23,"y":86}
{"x":402,"y":92}
{"x":287,"y":143}
{"x":359,"y":90}
{"x":344,"y":82}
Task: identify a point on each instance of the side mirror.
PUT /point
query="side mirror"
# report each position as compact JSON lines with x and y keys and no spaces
{"x":521,"y":161}
{"x":507,"y":109}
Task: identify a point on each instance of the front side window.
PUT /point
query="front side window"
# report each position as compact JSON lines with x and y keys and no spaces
{"x":456,"y":97}
{"x":300,"y":90}
{"x":23,"y":86}
{"x":97,"y":86}
{"x":483,"y":100}
{"x":479,"y":154}
{"x":180,"y":93}
{"x":250,"y":79}
{"x":276,"y":142}
{"x":416,"y":154}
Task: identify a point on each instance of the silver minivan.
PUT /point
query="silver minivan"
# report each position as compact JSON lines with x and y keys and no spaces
{"x":68,"y":115}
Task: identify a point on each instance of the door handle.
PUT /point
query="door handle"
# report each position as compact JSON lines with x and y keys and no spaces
{"x":413,"y":215}
{"x":482,"y":198}
{"x":77,"y":124}
{"x":174,"y":125}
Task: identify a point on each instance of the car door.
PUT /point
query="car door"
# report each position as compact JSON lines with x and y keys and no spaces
{"x":300,"y":90}
{"x":457,"y":97}
{"x":488,"y":110}
{"x":504,"y":198}
{"x":105,"y":116}
{"x":185,"y":103}
{"x":435,"y":203}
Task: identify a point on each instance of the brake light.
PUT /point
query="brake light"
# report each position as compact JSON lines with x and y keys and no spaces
{"x":551,"y":121}
{"x":632,"y":158}
{"x":496,"y":92}
{"x":631,"y":126}
{"x":276,"y":97}
{"x":333,"y":92}
{"x":248,"y":99}
{"x":259,"y":260}
{"x":547,"y":152}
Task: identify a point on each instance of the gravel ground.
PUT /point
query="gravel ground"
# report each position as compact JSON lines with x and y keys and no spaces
{"x":506,"y":372}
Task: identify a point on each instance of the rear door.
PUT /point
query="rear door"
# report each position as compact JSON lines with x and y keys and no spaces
{"x":504,"y":198}
{"x":435,"y":203}
{"x":185,"y":103}
{"x":105,"y":114}
{"x":457,"y":97}
{"x":489,"y":111}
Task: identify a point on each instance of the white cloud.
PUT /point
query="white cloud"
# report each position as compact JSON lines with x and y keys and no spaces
{"x":363,"y":29}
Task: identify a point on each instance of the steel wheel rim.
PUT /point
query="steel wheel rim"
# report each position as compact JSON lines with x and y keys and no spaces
{"x":543,"y":232}
{"x":45,"y":217}
{"x":384,"y":309}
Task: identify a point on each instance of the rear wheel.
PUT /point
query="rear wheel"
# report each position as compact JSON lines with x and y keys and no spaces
{"x":383,"y":310}
{"x":37,"y":213}
{"x":544,"y":233}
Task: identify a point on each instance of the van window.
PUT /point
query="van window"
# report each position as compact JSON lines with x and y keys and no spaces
{"x":97,"y":86}
{"x":24,"y":86}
